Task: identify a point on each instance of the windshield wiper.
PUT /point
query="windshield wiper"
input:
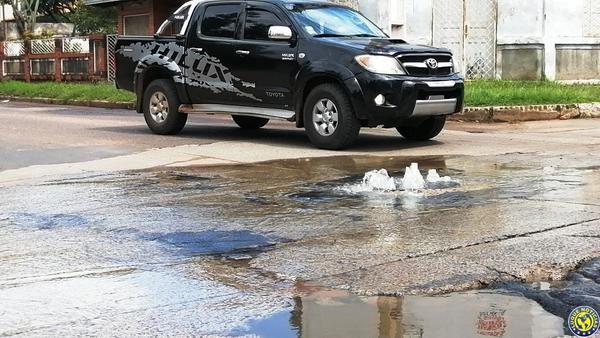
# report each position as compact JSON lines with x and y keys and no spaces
{"x":329,"y":35}
{"x":332,"y":35}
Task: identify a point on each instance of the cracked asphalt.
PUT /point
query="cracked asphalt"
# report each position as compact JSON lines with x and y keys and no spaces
{"x":106,"y":229}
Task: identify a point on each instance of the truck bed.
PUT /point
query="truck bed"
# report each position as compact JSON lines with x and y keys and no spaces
{"x":130,"y":50}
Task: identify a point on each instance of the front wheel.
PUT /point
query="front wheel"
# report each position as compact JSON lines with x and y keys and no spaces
{"x":161,"y":108}
{"x":249,"y":122}
{"x":329,"y":118}
{"x":427,"y":130}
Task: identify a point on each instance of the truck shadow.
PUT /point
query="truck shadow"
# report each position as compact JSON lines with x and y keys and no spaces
{"x":274,"y":135}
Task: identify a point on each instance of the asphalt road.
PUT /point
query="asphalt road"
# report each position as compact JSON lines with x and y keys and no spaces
{"x":34,"y":135}
{"x":106,"y":229}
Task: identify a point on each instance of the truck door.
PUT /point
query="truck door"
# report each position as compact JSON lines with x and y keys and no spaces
{"x":269,"y":64}
{"x":211,"y":60}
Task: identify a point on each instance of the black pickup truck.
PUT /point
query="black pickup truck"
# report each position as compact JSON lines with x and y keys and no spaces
{"x":323,"y":66}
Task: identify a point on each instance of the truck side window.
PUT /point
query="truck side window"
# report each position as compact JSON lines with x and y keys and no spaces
{"x":173,"y":25}
{"x":220,"y":21}
{"x":171,"y":28}
{"x":258,"y":22}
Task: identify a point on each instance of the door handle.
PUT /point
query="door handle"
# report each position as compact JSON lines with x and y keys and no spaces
{"x":242,"y":52}
{"x":197,"y":50}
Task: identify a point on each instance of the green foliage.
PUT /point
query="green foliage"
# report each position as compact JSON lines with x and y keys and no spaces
{"x":93,"y":20}
{"x":31,"y":36}
{"x":512,"y":93}
{"x":87,"y":19}
{"x":66,"y":91}
{"x":478,"y":93}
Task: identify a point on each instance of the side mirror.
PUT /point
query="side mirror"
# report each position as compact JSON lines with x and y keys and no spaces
{"x":280,"y":33}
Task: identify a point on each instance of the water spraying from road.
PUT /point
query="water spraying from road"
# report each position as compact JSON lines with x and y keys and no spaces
{"x":413,"y":181}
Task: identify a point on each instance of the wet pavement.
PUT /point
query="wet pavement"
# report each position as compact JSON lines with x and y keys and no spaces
{"x":302,"y":247}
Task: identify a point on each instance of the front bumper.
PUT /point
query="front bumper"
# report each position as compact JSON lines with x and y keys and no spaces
{"x":435,"y":107}
{"x":407,"y":98}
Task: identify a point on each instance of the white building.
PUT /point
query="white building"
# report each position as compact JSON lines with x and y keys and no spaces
{"x":504,"y":39}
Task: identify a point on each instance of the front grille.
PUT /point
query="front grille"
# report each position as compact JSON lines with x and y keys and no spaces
{"x":416,"y":64}
{"x":425,"y":94}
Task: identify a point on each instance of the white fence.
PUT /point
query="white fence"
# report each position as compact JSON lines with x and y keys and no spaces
{"x":72,"y":58}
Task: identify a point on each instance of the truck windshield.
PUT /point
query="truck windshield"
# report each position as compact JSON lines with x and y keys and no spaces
{"x":331,"y":21}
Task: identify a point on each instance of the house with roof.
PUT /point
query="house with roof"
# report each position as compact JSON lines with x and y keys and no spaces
{"x":139,"y":17}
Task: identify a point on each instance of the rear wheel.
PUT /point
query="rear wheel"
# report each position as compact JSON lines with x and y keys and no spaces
{"x":329,"y":118}
{"x":249,"y":122}
{"x":427,"y":130}
{"x":161,"y":108}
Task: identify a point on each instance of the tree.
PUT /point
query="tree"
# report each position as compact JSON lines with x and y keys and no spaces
{"x":91,"y":20}
{"x":87,"y":19}
{"x":25,"y":12}
{"x":58,"y":10}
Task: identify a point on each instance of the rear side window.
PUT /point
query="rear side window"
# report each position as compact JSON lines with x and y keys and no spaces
{"x":258,"y":22}
{"x":220,"y":21}
{"x":174,"y":25}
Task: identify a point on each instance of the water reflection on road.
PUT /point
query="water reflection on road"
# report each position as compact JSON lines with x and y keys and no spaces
{"x":127,"y":303}
{"x":474,"y":314}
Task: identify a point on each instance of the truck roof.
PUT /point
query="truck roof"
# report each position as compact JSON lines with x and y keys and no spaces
{"x":191,"y":5}
{"x":321,"y":2}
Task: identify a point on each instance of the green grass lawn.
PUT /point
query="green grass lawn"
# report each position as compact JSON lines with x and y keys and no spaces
{"x":514,"y":93}
{"x":478,"y":93}
{"x":84,"y":91}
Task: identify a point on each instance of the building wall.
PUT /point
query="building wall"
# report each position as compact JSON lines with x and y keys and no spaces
{"x":152,"y":12}
{"x":349,"y":3}
{"x":554,"y":39}
{"x":55,"y":29}
{"x":6,"y":12}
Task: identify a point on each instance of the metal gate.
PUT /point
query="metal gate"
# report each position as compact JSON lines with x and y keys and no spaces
{"x":111,"y":43}
{"x":468,"y":28}
{"x":591,"y":18}
{"x":448,"y":29}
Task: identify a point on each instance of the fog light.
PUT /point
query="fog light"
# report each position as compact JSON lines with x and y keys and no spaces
{"x":380,"y":100}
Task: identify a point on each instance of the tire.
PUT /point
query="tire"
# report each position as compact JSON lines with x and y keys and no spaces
{"x":161,"y":108}
{"x":249,"y":122}
{"x":325,"y":104}
{"x":427,"y":130}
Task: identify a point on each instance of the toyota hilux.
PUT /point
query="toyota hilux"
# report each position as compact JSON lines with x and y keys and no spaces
{"x":323,"y":66}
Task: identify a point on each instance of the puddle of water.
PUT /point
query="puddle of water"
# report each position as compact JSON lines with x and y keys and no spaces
{"x":215,"y":242}
{"x":168,"y":227}
{"x":465,"y":315}
{"x":172,"y":303}
{"x":131,"y":304}
{"x":47,"y":222}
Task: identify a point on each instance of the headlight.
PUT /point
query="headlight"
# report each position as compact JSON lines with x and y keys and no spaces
{"x":455,"y":68}
{"x":380,"y":64}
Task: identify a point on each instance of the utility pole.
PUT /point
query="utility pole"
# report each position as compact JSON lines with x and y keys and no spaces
{"x":4,"y":24}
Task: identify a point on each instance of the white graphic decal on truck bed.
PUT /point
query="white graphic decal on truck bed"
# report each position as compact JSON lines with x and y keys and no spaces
{"x":194,"y":68}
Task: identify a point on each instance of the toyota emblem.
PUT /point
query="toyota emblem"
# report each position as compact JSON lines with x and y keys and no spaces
{"x":431,"y":63}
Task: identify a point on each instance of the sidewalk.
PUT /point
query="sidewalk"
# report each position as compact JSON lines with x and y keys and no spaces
{"x":529,"y":113}
{"x":509,"y":114}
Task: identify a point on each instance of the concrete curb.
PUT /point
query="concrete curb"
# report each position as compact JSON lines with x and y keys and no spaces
{"x":79,"y":103}
{"x":529,"y":113}
{"x":469,"y":114}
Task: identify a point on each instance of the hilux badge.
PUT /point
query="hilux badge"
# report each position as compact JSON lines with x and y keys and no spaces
{"x":431,"y":63}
